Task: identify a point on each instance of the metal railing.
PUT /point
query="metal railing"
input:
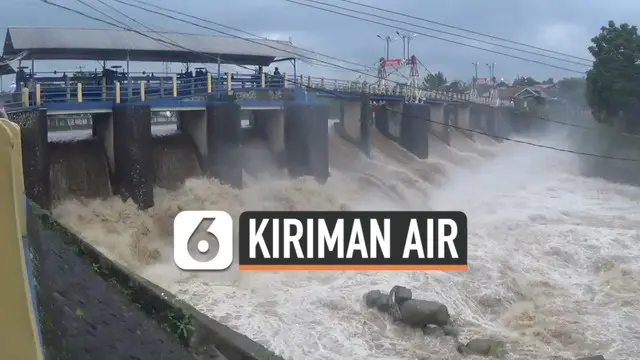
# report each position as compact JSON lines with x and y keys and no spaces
{"x":152,"y":87}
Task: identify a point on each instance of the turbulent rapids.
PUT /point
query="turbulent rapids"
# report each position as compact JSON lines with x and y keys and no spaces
{"x":553,"y":255}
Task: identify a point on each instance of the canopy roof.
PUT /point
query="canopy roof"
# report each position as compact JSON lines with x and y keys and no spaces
{"x":52,"y":43}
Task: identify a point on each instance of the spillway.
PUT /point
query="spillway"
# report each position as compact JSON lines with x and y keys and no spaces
{"x":553,"y":255}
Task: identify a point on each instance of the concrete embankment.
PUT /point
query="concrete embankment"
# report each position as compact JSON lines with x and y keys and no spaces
{"x":93,"y":308}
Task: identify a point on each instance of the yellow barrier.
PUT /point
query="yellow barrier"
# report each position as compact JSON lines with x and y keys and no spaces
{"x":19,"y":336}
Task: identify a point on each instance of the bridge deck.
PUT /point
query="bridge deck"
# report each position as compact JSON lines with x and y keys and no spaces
{"x":96,"y":94}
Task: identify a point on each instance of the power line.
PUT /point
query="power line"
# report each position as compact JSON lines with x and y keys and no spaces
{"x":177,"y":12}
{"x":433,"y":36}
{"x":465,"y":30}
{"x":338,"y":95}
{"x":448,"y":33}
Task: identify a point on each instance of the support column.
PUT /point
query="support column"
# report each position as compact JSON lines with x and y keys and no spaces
{"x":133,"y":153}
{"x":491,"y":121}
{"x":464,"y":120}
{"x":366,"y":121}
{"x":35,"y":155}
{"x":438,"y":125}
{"x":307,"y":140}
{"x":194,"y":124}
{"x":270,"y":125}
{"x":503,"y":124}
{"x":381,"y":119}
{"x":102,"y":129}
{"x":414,"y":129}
{"x":350,"y":119}
{"x":223,"y":160}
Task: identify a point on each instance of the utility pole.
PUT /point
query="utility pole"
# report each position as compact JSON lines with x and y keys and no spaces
{"x":406,"y":44}
{"x":475,"y":74}
{"x":475,"y":68}
{"x":388,"y":40}
{"x":492,"y":68}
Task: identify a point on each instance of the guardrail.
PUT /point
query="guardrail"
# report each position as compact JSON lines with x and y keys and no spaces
{"x":164,"y":87}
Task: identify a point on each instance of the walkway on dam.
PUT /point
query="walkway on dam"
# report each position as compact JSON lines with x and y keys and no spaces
{"x":252,"y":91}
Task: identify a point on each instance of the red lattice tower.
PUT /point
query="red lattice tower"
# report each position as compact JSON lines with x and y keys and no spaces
{"x":383,"y":74}
{"x":414,"y":79}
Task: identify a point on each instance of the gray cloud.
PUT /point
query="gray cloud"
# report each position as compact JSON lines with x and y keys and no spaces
{"x":564,"y":26}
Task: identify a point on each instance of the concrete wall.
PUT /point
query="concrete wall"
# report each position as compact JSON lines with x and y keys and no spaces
{"x":388,"y":119}
{"x":133,"y":175}
{"x":464,"y":120}
{"x":438,"y":124}
{"x":270,"y":123}
{"x":103,"y":130}
{"x":395,"y":118}
{"x":414,"y":130}
{"x":35,"y":159}
{"x":307,"y":140}
{"x":224,"y":159}
{"x":194,"y":124}
{"x":350,"y":120}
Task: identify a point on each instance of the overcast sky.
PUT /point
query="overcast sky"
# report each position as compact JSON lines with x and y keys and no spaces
{"x":565,"y":26}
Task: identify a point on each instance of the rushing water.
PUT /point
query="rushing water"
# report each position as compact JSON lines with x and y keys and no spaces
{"x":553,"y":255}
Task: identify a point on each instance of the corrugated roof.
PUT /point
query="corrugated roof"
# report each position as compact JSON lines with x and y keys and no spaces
{"x":45,"y":42}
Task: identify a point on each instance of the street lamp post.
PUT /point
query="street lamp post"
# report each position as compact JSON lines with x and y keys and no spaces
{"x":406,"y":44}
{"x":388,"y":40}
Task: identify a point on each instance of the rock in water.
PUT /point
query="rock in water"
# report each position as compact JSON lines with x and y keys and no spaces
{"x":394,"y":309}
{"x":401,"y":294}
{"x":486,"y":347}
{"x":375,"y":298}
{"x":421,"y":313}
{"x":383,"y":303}
{"x":371,"y":298}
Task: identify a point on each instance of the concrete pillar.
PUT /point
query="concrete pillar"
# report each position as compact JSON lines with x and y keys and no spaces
{"x":381,"y":115}
{"x":350,"y":119}
{"x":224,"y":158}
{"x":438,"y":124}
{"x":35,"y":154}
{"x":194,"y":124}
{"x":395,"y":118}
{"x":270,"y":125}
{"x":132,"y":150}
{"x":307,"y":140}
{"x":490,"y":127}
{"x":414,"y":130}
{"x":502,"y":123}
{"x":102,"y":129}
{"x":464,"y":120}
{"x":366,"y":121}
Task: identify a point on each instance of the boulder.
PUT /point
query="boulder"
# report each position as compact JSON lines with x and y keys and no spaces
{"x":375,"y":298}
{"x":371,"y":298}
{"x":400,"y":294}
{"x":420,"y":313}
{"x":383,"y":303}
{"x":594,"y":357}
{"x":484,"y":347}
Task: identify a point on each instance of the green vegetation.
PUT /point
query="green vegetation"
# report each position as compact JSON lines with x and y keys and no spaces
{"x":612,"y":86}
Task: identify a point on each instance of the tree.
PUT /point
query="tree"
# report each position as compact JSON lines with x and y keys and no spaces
{"x":573,"y":90}
{"x":525,"y":81}
{"x":434,"y":81}
{"x":612,"y":85}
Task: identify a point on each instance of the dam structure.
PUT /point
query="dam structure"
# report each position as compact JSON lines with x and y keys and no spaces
{"x":220,"y":120}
